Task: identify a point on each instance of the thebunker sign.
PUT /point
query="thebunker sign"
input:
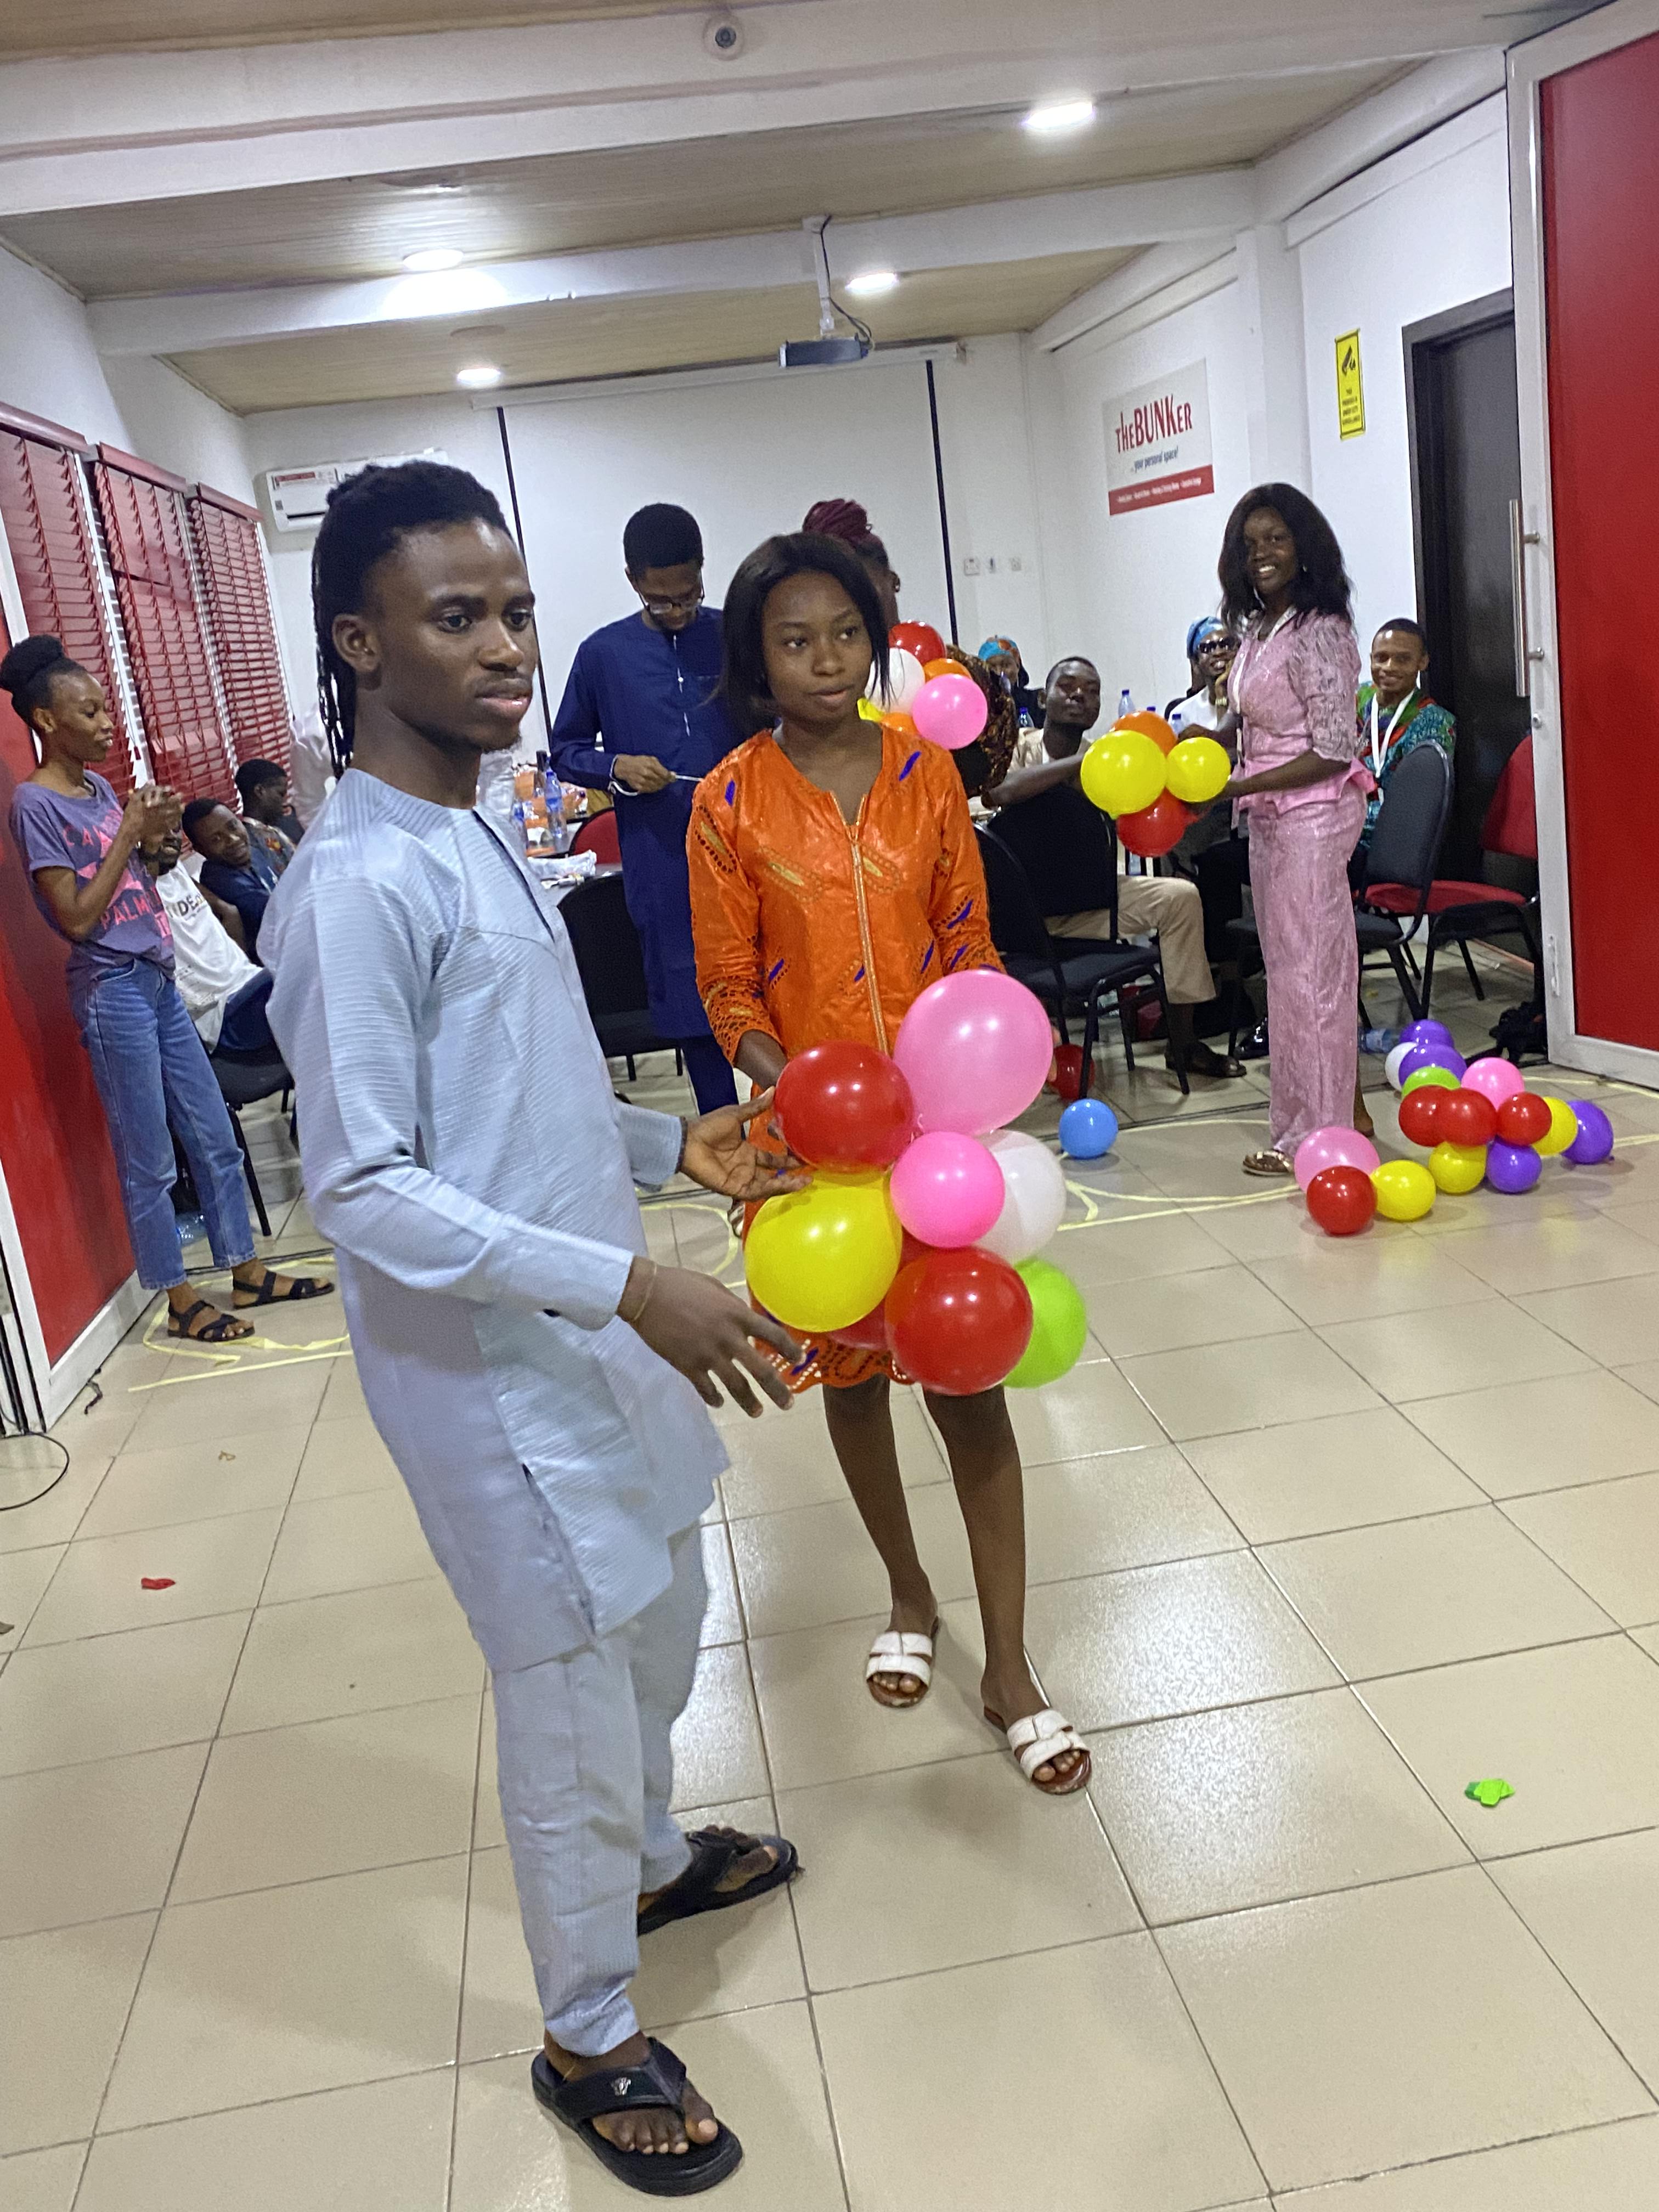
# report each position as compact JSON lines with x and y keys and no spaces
{"x":1158,"y":442}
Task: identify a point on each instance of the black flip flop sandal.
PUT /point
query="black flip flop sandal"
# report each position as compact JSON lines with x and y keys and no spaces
{"x":221,"y":1331}
{"x":713,"y":1857}
{"x":304,"y":1287}
{"x":657,"y":2084}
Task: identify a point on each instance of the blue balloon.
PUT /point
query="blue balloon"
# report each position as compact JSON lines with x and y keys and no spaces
{"x":1088,"y":1127}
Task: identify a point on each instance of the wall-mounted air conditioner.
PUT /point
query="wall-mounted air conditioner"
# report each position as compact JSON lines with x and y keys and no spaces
{"x":298,"y":498}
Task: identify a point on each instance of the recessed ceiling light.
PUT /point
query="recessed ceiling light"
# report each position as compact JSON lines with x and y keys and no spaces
{"x":430,"y":258}
{"x":872,"y":282}
{"x":479,"y":375}
{"x":1060,"y":115}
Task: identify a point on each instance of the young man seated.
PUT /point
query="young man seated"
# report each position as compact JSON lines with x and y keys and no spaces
{"x":267,"y":810}
{"x":223,"y":991}
{"x":1166,"y":907}
{"x":234,"y":868}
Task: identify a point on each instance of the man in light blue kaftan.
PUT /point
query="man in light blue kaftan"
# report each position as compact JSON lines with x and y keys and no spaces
{"x":466,"y":1154}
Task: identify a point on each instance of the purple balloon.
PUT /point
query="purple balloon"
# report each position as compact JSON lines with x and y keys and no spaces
{"x":1512,"y":1168}
{"x":1425,"y":1033}
{"x":1433,"y":1055}
{"x":1594,"y":1139}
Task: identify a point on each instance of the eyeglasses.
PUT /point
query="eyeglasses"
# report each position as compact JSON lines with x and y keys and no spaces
{"x":688,"y":603}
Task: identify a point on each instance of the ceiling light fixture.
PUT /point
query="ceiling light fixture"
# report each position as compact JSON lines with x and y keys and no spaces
{"x":872,"y":283}
{"x":479,"y":375}
{"x":1060,"y":115}
{"x":429,"y":259}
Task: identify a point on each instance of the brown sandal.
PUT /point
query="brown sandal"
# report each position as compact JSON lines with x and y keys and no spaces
{"x":226,"y":1329}
{"x":1269,"y":1163}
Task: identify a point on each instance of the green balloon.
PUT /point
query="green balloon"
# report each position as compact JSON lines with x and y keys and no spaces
{"x":1059,"y":1326}
{"x":1442,"y":1078}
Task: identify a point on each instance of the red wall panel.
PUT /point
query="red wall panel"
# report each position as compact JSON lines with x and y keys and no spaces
{"x":54,"y":1145}
{"x":1600,"y":177}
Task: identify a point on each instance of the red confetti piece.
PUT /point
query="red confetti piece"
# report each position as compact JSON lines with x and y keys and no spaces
{"x":156,"y":1582}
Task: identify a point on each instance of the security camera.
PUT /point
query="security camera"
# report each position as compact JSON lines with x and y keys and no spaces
{"x":722,"y":36}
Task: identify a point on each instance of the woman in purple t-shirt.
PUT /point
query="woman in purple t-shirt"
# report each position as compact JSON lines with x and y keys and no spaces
{"x":82,"y":849}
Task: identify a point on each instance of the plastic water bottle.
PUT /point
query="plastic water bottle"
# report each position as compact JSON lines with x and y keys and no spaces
{"x":1378,"y":1042}
{"x":1177,"y":722}
{"x":1126,"y":705}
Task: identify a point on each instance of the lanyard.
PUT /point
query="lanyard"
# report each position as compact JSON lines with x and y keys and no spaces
{"x":1382,"y":739}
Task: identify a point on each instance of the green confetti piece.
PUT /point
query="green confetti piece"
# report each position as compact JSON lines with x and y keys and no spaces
{"x":1489,"y":1793}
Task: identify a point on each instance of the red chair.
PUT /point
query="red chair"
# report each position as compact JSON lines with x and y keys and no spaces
{"x":598,"y":836}
{"x":1458,"y":911}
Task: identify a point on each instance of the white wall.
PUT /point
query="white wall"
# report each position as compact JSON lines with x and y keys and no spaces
{"x":1426,"y":230}
{"x":49,"y":367}
{"x":1133,"y":583}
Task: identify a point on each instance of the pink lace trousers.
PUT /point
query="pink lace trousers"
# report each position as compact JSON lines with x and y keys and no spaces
{"x":1304,"y":915}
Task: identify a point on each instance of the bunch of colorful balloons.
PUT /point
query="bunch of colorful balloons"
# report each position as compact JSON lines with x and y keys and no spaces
{"x":1140,"y":771}
{"x":919,"y":1232}
{"x":1476,"y":1120}
{"x":928,"y":694}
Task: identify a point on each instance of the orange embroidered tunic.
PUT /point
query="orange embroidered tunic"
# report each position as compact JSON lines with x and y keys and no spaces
{"x":809,"y":928}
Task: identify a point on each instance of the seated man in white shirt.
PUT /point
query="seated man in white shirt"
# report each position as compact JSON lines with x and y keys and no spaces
{"x":1166,"y":907}
{"x":223,"y":991}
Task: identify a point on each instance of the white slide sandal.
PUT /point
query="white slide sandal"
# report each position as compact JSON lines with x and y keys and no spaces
{"x":896,"y":1653}
{"x":1039,"y":1741}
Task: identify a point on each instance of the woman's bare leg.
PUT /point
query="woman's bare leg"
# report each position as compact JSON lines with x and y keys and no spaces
{"x":861,"y":1431}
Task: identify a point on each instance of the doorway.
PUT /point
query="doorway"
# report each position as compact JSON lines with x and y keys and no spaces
{"x":1466,"y":471}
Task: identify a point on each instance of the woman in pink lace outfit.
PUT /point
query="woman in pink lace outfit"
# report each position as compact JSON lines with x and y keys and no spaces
{"x":1303,"y":788}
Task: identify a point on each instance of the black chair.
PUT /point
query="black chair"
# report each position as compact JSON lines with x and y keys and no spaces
{"x":1404,"y":846}
{"x":242,"y":1082}
{"x":612,"y":969}
{"x":1070,"y":975}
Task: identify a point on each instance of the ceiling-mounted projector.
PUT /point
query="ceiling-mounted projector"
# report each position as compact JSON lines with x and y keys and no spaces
{"x":822,"y":353}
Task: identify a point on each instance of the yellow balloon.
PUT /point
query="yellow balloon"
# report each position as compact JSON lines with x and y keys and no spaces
{"x":1457,"y":1168}
{"x":1405,"y":1189}
{"x":1563,"y":1128}
{"x":1122,"y":772}
{"x":825,"y":1257}
{"x":1197,"y":769}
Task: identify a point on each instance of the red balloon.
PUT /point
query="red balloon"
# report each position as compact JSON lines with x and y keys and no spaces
{"x":869,"y":1335}
{"x":1523,"y":1118}
{"x":1419,"y":1114}
{"x":1466,"y":1117}
{"x":845,"y":1105}
{"x":958,"y":1321}
{"x":919,"y":638}
{"x":1068,"y":1071}
{"x":1157,"y":827}
{"x":1342,"y":1200}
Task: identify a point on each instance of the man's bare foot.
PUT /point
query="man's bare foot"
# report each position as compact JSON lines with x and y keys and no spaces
{"x":647,"y":2132}
{"x":1012,"y":1696}
{"x":915,"y":1614}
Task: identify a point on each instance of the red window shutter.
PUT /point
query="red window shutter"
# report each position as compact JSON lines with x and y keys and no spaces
{"x":144,"y":512}
{"x":232,"y":571}
{"x":43,"y":511}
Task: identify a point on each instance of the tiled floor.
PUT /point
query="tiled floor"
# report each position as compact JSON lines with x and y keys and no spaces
{"x":1320,"y":1533}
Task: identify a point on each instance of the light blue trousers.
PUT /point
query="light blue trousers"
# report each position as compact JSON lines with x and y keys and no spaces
{"x":586,"y":1775}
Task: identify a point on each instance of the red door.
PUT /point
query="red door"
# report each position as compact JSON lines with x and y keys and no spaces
{"x":54,"y":1145}
{"x":1598,"y":135}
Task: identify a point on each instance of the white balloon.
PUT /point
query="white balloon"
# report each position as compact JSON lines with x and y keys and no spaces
{"x":905,"y":678}
{"x":1034,"y":1201}
{"x":1391,"y":1065}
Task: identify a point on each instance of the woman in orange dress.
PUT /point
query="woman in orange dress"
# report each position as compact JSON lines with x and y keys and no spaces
{"x":834,"y":876}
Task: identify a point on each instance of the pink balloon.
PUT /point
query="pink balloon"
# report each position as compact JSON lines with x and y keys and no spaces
{"x":1494,"y":1079}
{"x":1334,"y":1147}
{"x":951,"y":710}
{"x":947,"y":1188}
{"x":975,"y":1049}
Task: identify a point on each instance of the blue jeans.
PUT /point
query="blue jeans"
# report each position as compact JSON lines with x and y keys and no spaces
{"x":150,"y":1069}
{"x":710,"y":1072}
{"x":244,"y":1029}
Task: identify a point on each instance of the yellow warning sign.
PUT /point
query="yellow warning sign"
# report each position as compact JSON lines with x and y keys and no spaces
{"x":1350,"y":387}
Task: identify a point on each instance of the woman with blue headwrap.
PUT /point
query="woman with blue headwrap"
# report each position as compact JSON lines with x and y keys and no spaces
{"x":1210,"y":649}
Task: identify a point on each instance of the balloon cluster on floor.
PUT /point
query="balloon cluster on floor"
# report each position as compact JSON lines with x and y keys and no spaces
{"x":1476,"y":1120}
{"x":920,"y":1231}
{"x":929,"y":695}
{"x":1152,"y":780}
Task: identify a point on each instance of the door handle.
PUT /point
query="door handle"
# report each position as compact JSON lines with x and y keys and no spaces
{"x":1524,"y":654}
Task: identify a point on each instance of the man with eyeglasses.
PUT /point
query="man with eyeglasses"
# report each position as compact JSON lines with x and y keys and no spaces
{"x":642,"y":717}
